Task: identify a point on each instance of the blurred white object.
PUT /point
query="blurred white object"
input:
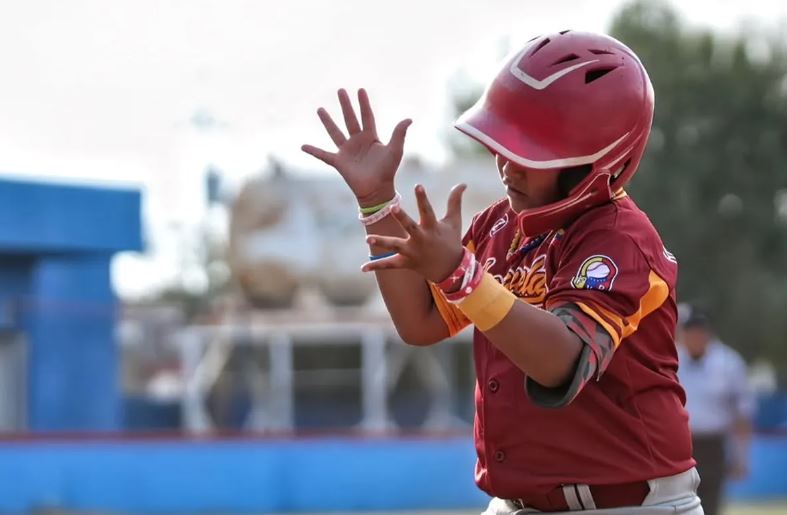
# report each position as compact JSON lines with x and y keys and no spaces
{"x":763,"y":377}
{"x":289,"y":231}
{"x":165,"y":386}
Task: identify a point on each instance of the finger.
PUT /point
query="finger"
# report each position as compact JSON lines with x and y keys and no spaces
{"x":397,"y":137}
{"x":389,"y":243}
{"x":453,"y":212}
{"x":407,"y":223}
{"x":396,"y":262}
{"x":428,"y":218}
{"x":333,"y":130}
{"x":353,"y":127}
{"x":326,"y":157}
{"x":367,"y":115}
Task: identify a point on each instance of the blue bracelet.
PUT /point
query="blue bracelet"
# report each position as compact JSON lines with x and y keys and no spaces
{"x":382,"y":256}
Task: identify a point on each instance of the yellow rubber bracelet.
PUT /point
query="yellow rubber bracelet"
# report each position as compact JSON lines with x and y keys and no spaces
{"x":373,"y":209}
{"x":489,"y":303}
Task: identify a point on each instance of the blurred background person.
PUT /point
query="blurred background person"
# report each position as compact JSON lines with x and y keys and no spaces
{"x":720,"y":406}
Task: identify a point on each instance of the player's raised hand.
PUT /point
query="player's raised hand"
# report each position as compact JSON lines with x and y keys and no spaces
{"x":366,"y":164}
{"x":433,"y":247}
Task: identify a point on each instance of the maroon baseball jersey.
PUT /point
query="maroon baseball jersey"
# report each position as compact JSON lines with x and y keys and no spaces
{"x":620,"y":419}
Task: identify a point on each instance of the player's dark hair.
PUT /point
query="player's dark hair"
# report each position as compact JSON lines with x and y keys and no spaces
{"x":570,"y":177}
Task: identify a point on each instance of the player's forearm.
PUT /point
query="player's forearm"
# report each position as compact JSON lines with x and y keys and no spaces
{"x":407,"y":295}
{"x":538,"y":343}
{"x":535,"y":340}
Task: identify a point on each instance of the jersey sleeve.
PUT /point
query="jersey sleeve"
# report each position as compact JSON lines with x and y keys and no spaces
{"x":453,"y":317}
{"x":602,"y":288}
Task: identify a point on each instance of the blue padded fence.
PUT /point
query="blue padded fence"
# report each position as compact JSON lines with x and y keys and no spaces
{"x":274,"y":475}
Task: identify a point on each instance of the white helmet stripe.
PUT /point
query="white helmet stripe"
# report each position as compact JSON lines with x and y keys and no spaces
{"x":529,"y":163}
{"x":547,"y":81}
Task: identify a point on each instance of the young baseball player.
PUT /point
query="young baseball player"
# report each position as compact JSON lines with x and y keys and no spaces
{"x":568,"y":285}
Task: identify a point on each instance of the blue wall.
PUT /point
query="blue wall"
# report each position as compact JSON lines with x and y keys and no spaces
{"x":56,"y":244}
{"x":15,"y":278}
{"x":768,"y":477}
{"x":328,"y":474}
{"x":239,"y":476}
{"x":69,"y":319}
{"x":38,"y":217}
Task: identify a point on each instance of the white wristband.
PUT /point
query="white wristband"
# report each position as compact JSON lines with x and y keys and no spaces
{"x":384,"y":212}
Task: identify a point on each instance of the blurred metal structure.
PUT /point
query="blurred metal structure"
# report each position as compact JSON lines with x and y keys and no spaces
{"x":13,"y":382}
{"x":294,"y":250}
{"x":206,"y":350}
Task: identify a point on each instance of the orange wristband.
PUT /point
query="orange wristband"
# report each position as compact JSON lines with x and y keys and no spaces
{"x":489,"y":303}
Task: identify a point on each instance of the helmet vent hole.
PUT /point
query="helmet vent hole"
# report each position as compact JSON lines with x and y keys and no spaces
{"x":601,"y":52}
{"x":539,"y":47}
{"x":564,"y":31}
{"x":596,"y":74}
{"x":566,"y":58}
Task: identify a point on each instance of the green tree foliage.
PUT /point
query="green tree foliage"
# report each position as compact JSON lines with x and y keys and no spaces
{"x":714,"y":178}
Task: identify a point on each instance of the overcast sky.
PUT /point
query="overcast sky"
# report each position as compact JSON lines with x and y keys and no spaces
{"x":148,"y":92}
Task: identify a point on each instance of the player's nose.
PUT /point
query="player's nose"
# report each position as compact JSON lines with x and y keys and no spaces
{"x":511,"y":172}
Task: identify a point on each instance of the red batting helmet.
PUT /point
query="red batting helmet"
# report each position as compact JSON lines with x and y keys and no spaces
{"x":565,"y":100}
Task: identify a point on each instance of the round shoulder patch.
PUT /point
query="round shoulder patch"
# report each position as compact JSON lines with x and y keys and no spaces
{"x":596,"y":273}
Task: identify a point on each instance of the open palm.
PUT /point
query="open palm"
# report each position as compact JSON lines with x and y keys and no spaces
{"x":367,"y":165}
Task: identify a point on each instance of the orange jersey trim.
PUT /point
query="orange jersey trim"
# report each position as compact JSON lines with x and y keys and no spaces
{"x":621,"y":328}
{"x":453,"y":317}
{"x":615,"y":335}
{"x":621,"y":193}
{"x":653,"y":299}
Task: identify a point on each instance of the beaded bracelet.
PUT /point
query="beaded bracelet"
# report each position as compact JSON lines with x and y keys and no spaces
{"x":449,"y":283}
{"x":382,"y":212}
{"x":470,"y":283}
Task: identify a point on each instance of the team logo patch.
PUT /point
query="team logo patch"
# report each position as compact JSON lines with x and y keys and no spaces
{"x":595,"y":273}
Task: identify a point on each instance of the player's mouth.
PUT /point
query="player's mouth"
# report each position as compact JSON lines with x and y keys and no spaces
{"x":511,"y":191}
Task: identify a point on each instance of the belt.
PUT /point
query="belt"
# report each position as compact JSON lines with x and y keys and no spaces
{"x":587,"y":497}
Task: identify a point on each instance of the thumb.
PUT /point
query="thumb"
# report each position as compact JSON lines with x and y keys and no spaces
{"x":397,"y":138}
{"x":453,"y":212}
